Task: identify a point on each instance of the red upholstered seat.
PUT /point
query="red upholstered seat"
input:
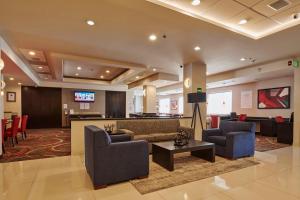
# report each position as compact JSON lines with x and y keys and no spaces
{"x":23,"y":127}
{"x":214,"y":121}
{"x":242,"y":117}
{"x":12,"y":133}
{"x":279,"y":119}
{"x":3,"y":125}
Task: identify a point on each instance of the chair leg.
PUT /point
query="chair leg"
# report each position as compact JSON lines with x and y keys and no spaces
{"x":16,"y":138}
{"x":25,"y":134}
{"x":3,"y":148}
{"x":12,"y":141}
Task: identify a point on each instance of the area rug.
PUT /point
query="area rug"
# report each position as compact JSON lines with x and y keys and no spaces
{"x":187,"y":169}
{"x":40,"y":143}
{"x":264,"y":143}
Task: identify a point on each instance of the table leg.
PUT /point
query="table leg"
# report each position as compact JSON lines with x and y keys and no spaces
{"x":163,"y":157}
{"x":206,"y":154}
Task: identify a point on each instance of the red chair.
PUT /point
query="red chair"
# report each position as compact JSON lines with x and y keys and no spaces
{"x":22,"y":130}
{"x":3,"y":126}
{"x":214,"y":121}
{"x":242,"y":117}
{"x":279,"y":119}
{"x":12,"y":133}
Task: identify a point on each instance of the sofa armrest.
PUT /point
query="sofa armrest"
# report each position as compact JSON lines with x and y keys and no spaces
{"x":126,"y":131}
{"x":187,"y":130}
{"x":240,"y":142}
{"x":120,"y":138}
{"x":210,"y":132}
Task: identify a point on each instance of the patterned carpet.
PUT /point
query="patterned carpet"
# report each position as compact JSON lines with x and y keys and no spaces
{"x":187,"y":169}
{"x":264,"y":143}
{"x":40,"y":143}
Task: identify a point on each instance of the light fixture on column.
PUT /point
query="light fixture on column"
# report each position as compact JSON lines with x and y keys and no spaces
{"x":1,"y":62}
{"x":2,"y":85}
{"x":187,"y":83}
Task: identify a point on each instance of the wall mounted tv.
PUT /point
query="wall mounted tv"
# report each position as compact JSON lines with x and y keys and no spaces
{"x":84,"y":96}
{"x":274,"y":98}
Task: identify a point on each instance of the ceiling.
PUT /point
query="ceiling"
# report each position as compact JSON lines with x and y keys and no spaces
{"x":119,"y":39}
{"x":263,"y":17}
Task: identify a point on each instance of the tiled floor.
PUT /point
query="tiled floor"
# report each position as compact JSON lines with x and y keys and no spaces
{"x":64,"y":178}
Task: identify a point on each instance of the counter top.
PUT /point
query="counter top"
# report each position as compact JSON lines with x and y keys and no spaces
{"x":132,"y":118}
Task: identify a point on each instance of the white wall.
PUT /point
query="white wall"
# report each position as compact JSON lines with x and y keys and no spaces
{"x":236,"y":97}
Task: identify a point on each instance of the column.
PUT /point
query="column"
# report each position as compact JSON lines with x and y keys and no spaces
{"x":194,"y":76}
{"x":149,"y":99}
{"x":296,"y":107}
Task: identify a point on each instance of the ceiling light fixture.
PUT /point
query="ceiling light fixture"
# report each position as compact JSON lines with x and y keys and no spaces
{"x":107,"y":71}
{"x":40,"y":67}
{"x":196,"y":2}
{"x":243,"y":21}
{"x":242,"y":59}
{"x":1,"y":64}
{"x":152,"y":37}
{"x":32,"y":53}
{"x":90,"y":22}
{"x":137,"y":77}
{"x":102,"y":77}
{"x":79,"y":68}
{"x":76,"y":74}
{"x":154,"y":69}
{"x":11,"y":78}
{"x":197,"y":48}
{"x":19,"y":83}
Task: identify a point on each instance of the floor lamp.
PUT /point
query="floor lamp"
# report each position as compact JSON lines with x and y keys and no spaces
{"x":196,"y":98}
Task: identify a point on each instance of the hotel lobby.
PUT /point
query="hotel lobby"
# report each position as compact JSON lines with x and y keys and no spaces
{"x":150,"y":99}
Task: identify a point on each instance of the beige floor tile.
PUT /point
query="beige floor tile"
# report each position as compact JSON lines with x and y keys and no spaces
{"x":15,"y":190}
{"x":219,"y":196}
{"x":258,"y":191}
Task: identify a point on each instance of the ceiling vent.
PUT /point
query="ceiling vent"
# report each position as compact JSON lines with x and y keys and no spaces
{"x":278,"y":5}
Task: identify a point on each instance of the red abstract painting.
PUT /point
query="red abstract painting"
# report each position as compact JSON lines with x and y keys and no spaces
{"x":274,"y":98}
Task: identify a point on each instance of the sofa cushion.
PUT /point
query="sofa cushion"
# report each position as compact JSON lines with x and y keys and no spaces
{"x":219,"y":140}
{"x":148,"y":137}
{"x":235,"y":126}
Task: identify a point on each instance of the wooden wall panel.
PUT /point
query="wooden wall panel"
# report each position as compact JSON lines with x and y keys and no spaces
{"x":115,"y":104}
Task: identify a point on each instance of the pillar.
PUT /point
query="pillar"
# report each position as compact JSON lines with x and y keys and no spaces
{"x":296,"y":107}
{"x":194,"y":76}
{"x":149,"y":99}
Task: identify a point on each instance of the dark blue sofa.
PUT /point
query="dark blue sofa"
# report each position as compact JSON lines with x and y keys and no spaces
{"x":112,"y":159}
{"x":233,"y":139}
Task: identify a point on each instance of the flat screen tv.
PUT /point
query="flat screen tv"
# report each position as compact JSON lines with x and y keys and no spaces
{"x":84,"y":96}
{"x":274,"y":98}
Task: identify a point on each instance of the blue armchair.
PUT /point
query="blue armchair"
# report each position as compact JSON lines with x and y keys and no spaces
{"x":112,"y":159}
{"x":233,"y":139}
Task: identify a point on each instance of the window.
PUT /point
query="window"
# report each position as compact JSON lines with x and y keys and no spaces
{"x":164,"y":105}
{"x":219,"y":103}
{"x":180,"y":105}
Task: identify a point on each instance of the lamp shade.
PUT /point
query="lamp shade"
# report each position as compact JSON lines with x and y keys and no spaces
{"x":1,"y":64}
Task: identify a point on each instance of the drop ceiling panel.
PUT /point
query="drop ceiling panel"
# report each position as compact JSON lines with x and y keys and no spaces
{"x":41,"y":68}
{"x":38,"y":57}
{"x":91,"y":71}
{"x":261,"y":26}
{"x":186,"y":5}
{"x":224,"y":9}
{"x":266,"y":10}
{"x":287,"y":16}
{"x":251,"y":16}
{"x":249,"y":3}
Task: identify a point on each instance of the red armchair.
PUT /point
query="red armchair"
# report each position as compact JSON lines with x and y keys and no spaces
{"x":214,"y":121}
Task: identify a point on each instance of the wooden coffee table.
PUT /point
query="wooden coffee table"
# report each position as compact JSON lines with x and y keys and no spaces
{"x":163,"y":152}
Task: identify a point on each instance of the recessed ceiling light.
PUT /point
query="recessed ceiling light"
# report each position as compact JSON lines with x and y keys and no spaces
{"x":102,"y":77}
{"x":76,"y":74}
{"x":137,"y":77}
{"x":32,"y":53}
{"x":11,"y":78}
{"x":154,"y":69}
{"x":90,"y":22}
{"x":79,"y":68}
{"x":40,"y":67}
{"x":19,"y":83}
{"x":243,"y":21}
{"x":46,"y":78}
{"x":107,"y":71}
{"x":152,"y":37}
{"x":197,"y":48}
{"x":242,"y":59}
{"x":195,"y":2}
